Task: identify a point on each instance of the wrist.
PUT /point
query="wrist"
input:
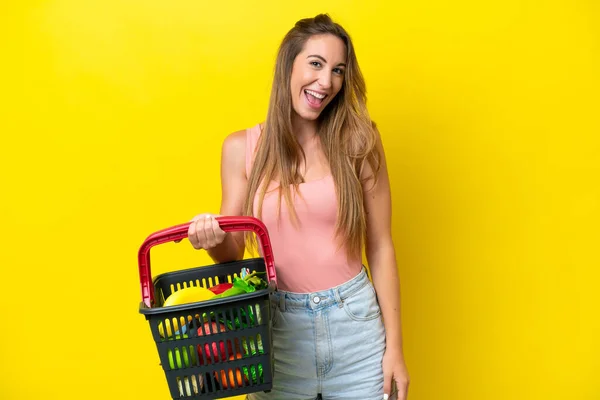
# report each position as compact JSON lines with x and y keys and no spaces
{"x":394,"y":348}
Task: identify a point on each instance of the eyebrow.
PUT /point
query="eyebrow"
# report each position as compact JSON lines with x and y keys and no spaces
{"x":324,"y":60}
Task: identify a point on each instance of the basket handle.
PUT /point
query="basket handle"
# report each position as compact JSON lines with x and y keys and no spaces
{"x":178,"y":232}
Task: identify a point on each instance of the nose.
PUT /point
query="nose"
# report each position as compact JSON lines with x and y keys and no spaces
{"x":325,"y":79}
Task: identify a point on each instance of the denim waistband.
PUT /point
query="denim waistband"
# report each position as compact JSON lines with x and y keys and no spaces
{"x":321,"y":299}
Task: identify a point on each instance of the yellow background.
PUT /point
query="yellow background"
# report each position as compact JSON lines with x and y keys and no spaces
{"x":112,"y":117}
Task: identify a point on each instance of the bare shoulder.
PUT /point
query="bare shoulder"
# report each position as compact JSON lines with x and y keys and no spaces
{"x":235,"y":144}
{"x":233,"y":155}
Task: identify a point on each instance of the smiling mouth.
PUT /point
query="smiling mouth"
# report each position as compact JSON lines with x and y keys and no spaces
{"x":313,"y":98}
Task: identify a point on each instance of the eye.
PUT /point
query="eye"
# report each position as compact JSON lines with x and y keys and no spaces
{"x":315,"y":63}
{"x":338,"y":71}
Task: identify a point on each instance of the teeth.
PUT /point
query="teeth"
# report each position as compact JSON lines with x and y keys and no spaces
{"x":317,"y":95}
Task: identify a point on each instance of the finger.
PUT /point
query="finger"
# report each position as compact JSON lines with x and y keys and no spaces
{"x":387,"y":384}
{"x":192,"y":236}
{"x":403,"y":394}
{"x":217,"y":231}
{"x":200,"y":237}
{"x":209,"y":237}
{"x":402,"y":390}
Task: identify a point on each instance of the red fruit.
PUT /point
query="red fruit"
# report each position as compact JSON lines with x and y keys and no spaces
{"x":220,"y":288}
{"x":215,"y":355}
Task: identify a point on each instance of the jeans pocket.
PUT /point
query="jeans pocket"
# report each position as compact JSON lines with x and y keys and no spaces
{"x":362,"y":305}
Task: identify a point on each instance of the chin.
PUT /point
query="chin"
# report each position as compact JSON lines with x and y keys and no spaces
{"x":309,"y":115}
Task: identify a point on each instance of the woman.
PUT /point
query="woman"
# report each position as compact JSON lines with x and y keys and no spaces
{"x":315,"y":174}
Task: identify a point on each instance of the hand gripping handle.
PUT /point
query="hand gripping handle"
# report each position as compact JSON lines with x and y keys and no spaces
{"x":177,"y":232}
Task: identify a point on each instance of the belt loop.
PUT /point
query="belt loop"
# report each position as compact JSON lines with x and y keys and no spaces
{"x":338,"y":298}
{"x":282,"y":302}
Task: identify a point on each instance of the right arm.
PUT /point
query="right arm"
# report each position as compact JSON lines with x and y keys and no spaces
{"x":204,"y":231}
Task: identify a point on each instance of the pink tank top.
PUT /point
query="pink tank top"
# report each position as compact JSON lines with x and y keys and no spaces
{"x":307,"y":257}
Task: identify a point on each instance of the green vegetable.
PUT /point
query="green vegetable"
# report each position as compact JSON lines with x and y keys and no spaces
{"x":255,"y":379}
{"x":254,"y":280}
{"x":249,"y":284}
{"x":229,"y":292}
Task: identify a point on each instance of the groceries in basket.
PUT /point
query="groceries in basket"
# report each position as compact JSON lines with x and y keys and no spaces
{"x":186,"y":295}
{"x":246,"y":283}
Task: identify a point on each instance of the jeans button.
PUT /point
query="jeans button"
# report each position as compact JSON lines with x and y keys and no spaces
{"x":316,"y":299}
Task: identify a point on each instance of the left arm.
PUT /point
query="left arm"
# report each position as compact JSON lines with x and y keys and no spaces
{"x":381,"y":258}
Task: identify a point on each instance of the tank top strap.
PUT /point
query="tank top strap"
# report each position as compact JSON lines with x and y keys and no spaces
{"x":252,"y":135}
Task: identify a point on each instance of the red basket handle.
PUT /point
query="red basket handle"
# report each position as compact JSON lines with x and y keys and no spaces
{"x":177,"y":232}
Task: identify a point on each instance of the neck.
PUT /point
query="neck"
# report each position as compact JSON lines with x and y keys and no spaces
{"x":304,"y":130}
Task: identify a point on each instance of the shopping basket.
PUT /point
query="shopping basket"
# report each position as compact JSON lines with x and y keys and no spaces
{"x":215,"y":348}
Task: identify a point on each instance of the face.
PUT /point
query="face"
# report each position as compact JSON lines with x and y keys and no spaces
{"x":317,"y":75}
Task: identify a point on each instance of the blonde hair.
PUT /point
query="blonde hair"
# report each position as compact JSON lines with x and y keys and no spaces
{"x":347,"y":135}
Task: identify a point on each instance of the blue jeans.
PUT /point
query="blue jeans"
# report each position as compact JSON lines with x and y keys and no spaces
{"x":329,"y":343}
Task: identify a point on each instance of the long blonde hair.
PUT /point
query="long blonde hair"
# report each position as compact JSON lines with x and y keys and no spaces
{"x":345,"y":129}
